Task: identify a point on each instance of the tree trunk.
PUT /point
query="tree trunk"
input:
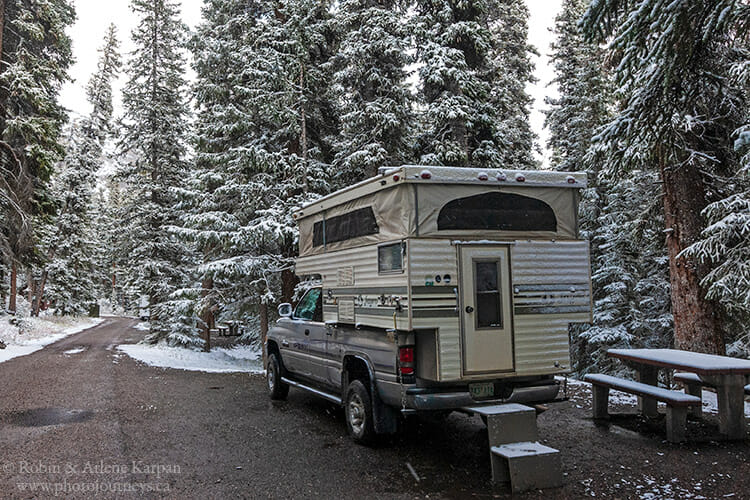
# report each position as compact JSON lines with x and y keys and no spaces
{"x":36,"y":305}
{"x":288,"y":283}
{"x":264,"y":329}
{"x":2,"y":283}
{"x":13,"y":288}
{"x":29,"y":287}
{"x":696,"y":325}
{"x":2,"y":28}
{"x":303,"y":133}
{"x":207,"y":314}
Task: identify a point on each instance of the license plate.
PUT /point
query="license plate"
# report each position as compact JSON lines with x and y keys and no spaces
{"x":483,"y":390}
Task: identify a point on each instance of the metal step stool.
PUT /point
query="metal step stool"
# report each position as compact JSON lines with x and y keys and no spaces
{"x":508,"y":423}
{"x":527,"y":466}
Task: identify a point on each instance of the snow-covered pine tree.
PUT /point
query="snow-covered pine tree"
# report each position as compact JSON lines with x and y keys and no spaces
{"x":476,"y":64}
{"x":376,"y":119}
{"x":265,"y":121}
{"x":512,"y":55}
{"x":35,"y":52}
{"x":153,"y":146}
{"x":617,"y":213}
{"x":70,"y":243}
{"x":725,"y":243}
{"x":680,"y":111}
{"x":630,"y":279}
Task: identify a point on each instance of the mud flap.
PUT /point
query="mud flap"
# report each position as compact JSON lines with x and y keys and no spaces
{"x":385,"y":418}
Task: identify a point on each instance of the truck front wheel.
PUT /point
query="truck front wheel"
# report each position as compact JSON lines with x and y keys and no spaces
{"x":358,"y":409}
{"x":277,"y":389}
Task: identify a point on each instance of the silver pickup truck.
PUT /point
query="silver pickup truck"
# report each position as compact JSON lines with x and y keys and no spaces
{"x":372,"y":372}
{"x":433,"y":289}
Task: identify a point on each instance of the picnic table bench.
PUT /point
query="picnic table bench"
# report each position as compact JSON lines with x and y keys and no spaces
{"x":727,"y":375}
{"x":693,"y":386}
{"x":677,"y":402}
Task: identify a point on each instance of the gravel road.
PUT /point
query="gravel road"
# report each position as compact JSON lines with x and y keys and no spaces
{"x":79,"y":419}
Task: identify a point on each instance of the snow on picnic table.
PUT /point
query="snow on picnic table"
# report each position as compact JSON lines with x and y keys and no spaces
{"x":220,"y":360}
{"x":38,"y":333}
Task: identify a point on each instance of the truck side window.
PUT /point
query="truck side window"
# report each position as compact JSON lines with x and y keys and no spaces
{"x":311,"y":306}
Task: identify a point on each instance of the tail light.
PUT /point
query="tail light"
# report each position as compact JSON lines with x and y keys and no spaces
{"x":406,"y":360}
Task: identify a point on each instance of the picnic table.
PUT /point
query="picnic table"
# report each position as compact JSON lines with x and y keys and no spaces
{"x":727,"y":375}
{"x":230,"y":328}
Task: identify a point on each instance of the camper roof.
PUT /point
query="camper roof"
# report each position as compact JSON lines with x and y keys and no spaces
{"x":392,"y":176}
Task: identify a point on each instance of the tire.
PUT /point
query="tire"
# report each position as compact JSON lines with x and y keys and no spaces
{"x":358,"y":411}
{"x":277,"y":389}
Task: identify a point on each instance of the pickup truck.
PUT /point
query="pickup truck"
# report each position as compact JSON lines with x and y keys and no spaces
{"x":372,"y":372}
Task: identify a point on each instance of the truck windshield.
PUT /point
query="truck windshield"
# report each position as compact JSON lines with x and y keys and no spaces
{"x":311,"y":306}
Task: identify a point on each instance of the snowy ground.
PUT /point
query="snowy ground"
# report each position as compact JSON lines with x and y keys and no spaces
{"x":219,"y":360}
{"x":38,"y":332}
{"x":710,"y":404}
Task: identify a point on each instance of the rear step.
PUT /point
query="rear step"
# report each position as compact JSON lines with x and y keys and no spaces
{"x":329,"y":397}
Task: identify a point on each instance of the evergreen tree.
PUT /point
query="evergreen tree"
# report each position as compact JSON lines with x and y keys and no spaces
{"x":35,"y":54}
{"x":265,"y":121}
{"x":376,"y":120}
{"x":585,"y":101}
{"x":630,"y":279}
{"x":476,"y":64}
{"x":679,"y":112}
{"x":154,"y":149}
{"x":725,"y":243}
{"x":70,"y":244}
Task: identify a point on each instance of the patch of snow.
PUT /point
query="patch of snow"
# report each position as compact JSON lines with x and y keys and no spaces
{"x":38,"y":333}
{"x":75,"y":351}
{"x":239,"y":359}
{"x":143,"y":326}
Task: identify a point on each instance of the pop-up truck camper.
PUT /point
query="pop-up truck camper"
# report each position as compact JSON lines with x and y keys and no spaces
{"x":434,"y":288}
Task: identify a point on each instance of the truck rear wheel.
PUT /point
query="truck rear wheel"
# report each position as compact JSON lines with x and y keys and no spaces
{"x":277,"y":389}
{"x":358,"y":410}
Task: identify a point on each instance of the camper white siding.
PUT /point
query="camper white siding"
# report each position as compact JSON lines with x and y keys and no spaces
{"x":352,"y":277}
{"x":551,"y":288}
{"x":436,"y":305}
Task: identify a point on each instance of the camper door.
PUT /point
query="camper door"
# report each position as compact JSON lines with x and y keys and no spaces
{"x":487,"y":329}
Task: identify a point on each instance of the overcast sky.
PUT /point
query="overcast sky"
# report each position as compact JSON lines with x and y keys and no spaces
{"x":95,"y":15}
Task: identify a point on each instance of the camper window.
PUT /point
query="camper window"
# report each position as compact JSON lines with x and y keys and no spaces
{"x":311,"y":306}
{"x":344,"y":227}
{"x":391,"y":258}
{"x":497,"y":212}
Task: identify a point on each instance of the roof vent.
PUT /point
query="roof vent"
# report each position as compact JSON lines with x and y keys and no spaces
{"x":482,"y":176}
{"x":520,"y":178}
{"x":502,"y":177}
{"x":571,"y":179}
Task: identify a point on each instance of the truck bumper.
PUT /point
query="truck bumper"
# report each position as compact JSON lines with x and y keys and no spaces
{"x":418,"y":399}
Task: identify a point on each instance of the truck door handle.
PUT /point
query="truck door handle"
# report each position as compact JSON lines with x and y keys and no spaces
{"x":285,"y":343}
{"x":469,"y":309}
{"x":307,"y":332}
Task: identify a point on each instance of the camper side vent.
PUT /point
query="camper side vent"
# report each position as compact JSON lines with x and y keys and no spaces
{"x":346,"y":311}
{"x":345,"y":276}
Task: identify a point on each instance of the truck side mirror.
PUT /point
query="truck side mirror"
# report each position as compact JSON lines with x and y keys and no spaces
{"x":285,"y":310}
